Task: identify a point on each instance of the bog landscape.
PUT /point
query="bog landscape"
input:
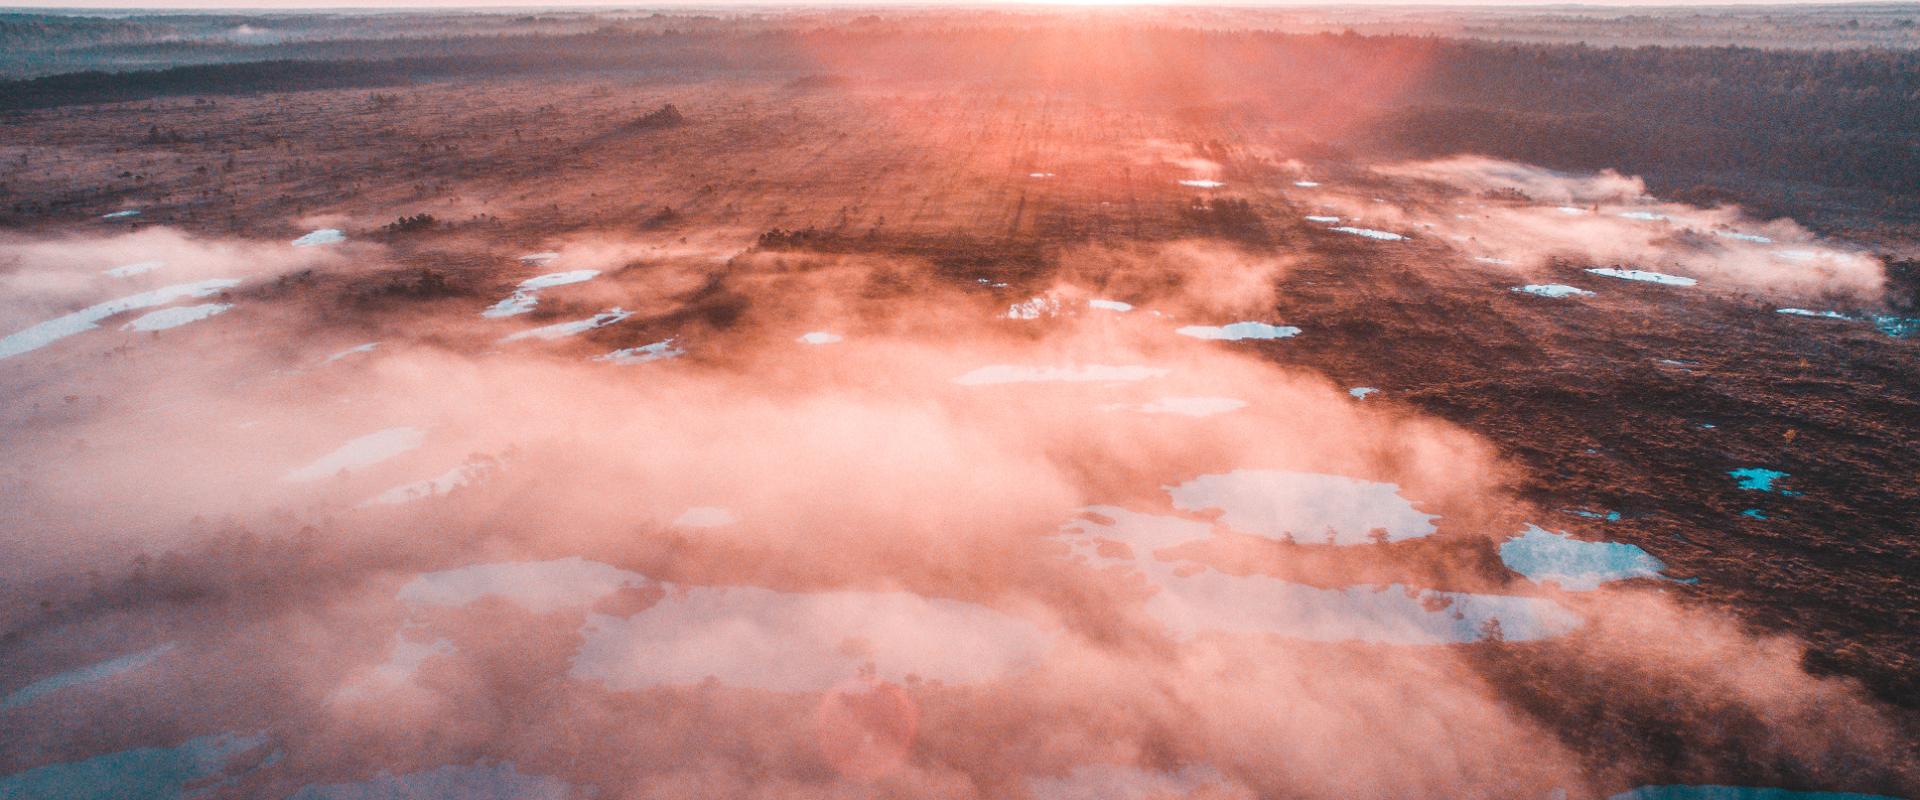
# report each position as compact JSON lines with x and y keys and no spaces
{"x":934,"y":402}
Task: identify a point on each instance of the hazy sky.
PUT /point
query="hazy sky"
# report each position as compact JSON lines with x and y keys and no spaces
{"x":298,"y":5}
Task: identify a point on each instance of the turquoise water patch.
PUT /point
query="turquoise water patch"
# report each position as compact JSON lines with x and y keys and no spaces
{"x":1758,"y":479}
{"x":1754,"y":513}
{"x":1897,"y":327}
{"x":1736,"y":793}
{"x":153,"y":773}
{"x":1610,"y":516}
{"x":471,"y":782}
{"x":1578,"y":566}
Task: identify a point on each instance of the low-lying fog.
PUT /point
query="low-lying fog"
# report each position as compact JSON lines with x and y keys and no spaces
{"x":711,"y":521}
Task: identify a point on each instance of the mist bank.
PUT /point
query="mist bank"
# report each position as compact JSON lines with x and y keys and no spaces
{"x":1835,"y":123}
{"x":955,"y":546}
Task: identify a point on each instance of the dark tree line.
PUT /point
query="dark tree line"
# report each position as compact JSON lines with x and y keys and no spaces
{"x":1842,"y":118}
{"x":1833,"y":118}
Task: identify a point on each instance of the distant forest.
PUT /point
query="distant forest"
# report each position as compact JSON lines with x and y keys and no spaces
{"x":1848,"y":120}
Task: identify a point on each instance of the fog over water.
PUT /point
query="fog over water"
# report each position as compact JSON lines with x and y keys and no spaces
{"x":866,"y":533}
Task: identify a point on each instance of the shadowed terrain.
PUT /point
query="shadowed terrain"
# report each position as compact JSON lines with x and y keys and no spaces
{"x":1052,"y":404}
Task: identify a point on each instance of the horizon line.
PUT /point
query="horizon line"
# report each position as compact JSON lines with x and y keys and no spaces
{"x":971,"y":5}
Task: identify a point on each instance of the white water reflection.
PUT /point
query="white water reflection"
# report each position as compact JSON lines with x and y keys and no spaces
{"x":1555,"y":290}
{"x":1034,"y":309}
{"x":562,"y":330}
{"x":1578,"y":566}
{"x":538,"y":586}
{"x":527,"y":295}
{"x":321,"y":237}
{"x":365,"y":451}
{"x":657,"y":351}
{"x":1190,"y":600}
{"x":355,"y":350}
{"x":1305,"y":507}
{"x":804,"y":641}
{"x":89,"y":318}
{"x":466,"y":474}
{"x":84,"y":675}
{"x":1385,"y":236}
{"x":1238,"y":331}
{"x":167,"y":318}
{"x":748,"y":636}
{"x":1643,"y":276}
{"x":136,"y":268}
